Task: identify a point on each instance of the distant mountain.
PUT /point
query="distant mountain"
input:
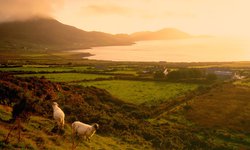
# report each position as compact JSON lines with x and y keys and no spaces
{"x":164,"y":34}
{"x":49,"y":34}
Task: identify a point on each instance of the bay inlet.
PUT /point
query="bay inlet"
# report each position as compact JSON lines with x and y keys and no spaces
{"x":212,"y":49}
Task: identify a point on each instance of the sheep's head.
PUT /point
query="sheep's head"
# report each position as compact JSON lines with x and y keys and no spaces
{"x":96,"y":126}
{"x":54,"y":104}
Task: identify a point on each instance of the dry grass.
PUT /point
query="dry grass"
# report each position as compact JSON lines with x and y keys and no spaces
{"x":227,"y":106}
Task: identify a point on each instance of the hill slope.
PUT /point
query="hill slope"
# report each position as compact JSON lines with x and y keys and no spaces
{"x":164,"y":34}
{"x":49,"y":34}
{"x":118,"y":120}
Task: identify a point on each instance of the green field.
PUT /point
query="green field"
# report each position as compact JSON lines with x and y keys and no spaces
{"x":243,"y":82}
{"x":139,"y":92}
{"x":127,"y":72}
{"x":66,"y":77}
{"x":43,"y":68}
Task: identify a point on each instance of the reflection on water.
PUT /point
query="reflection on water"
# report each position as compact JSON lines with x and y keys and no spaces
{"x":185,"y":50}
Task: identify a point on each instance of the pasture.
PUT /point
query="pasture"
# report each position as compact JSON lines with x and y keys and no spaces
{"x":126,"y":72}
{"x":67,"y":77}
{"x":44,"y":68}
{"x":139,"y":92}
{"x":245,"y":82}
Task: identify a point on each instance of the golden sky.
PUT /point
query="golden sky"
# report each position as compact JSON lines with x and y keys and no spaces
{"x":220,"y":17}
{"x":214,"y":17}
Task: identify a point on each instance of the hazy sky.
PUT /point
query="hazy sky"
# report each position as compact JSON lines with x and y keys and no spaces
{"x":223,"y":17}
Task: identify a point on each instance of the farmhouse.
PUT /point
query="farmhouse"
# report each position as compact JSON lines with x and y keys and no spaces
{"x":237,"y":76}
{"x":166,"y":71}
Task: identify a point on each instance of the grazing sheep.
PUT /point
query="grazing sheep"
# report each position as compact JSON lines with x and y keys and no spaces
{"x":84,"y":130}
{"x":58,"y":115}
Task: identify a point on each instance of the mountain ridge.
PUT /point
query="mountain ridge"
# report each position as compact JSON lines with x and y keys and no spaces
{"x":50,"y":34}
{"x":163,"y":34}
{"x":47,"y":34}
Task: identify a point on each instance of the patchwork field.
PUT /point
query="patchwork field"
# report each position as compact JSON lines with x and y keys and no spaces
{"x":139,"y":92}
{"x":150,"y":113}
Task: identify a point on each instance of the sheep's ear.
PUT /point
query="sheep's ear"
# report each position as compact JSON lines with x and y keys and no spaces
{"x":96,"y":126}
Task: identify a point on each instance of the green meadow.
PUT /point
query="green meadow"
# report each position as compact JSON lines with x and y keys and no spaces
{"x":139,"y":92}
{"x":243,"y":82}
{"x":44,"y":68}
{"x":126,"y":72}
{"x":67,"y":77}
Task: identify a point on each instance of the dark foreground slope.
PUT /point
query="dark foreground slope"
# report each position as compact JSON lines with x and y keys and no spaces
{"x":220,"y":116}
{"x":126,"y":122}
{"x":49,"y":34}
{"x":226,"y":108}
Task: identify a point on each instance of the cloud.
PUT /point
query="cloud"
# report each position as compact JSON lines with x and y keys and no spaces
{"x":24,"y":9}
{"x":105,"y":9}
{"x":167,"y":14}
{"x":141,"y":9}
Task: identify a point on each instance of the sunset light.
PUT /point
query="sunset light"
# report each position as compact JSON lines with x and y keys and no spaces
{"x":213,"y":17}
{"x":125,"y":74}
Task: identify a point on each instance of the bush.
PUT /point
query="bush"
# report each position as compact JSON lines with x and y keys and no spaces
{"x":211,"y":77}
{"x":186,"y":74}
{"x":159,"y":75}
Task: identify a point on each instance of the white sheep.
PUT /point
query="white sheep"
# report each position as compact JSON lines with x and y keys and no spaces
{"x":84,"y":130}
{"x":58,"y":115}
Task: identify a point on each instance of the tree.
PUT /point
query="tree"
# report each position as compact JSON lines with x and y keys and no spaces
{"x":211,"y":77}
{"x":159,"y":75}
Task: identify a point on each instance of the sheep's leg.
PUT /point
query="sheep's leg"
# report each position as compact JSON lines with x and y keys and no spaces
{"x":56,"y":127}
{"x":59,"y":123}
{"x":62,"y":131}
{"x":88,"y":139}
{"x":6,"y":139}
{"x":62,"y":123}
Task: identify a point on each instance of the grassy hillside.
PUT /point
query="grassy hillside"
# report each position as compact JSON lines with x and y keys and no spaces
{"x":119,"y":121}
{"x":37,"y":135}
{"x":235,"y":112}
{"x":220,"y":116}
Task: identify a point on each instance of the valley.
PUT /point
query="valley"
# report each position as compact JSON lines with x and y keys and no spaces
{"x":135,"y":106}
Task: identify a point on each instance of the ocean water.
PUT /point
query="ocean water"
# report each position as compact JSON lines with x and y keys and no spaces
{"x":212,"y":49}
